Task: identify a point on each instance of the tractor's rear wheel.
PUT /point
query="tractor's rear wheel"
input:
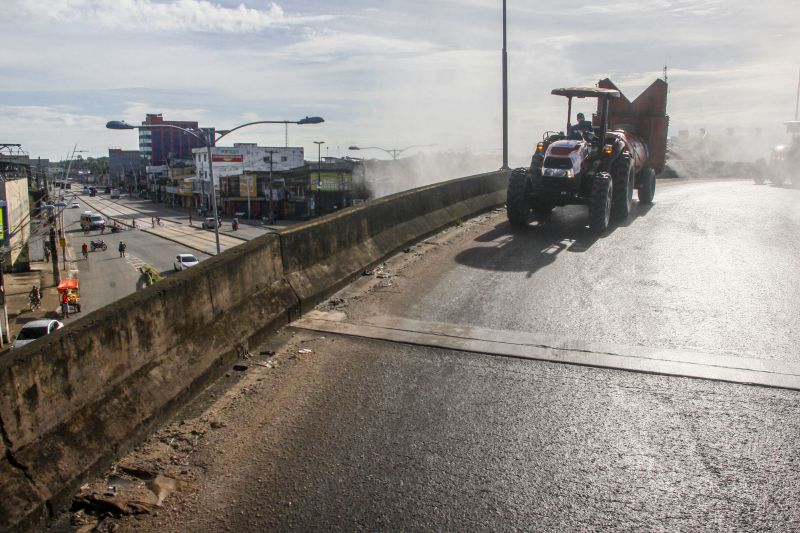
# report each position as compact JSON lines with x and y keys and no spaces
{"x":600,"y":203}
{"x":518,"y":206}
{"x":647,"y":186}
{"x":623,"y":178}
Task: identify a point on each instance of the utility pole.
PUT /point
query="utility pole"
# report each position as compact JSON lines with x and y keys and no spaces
{"x":270,"y":216}
{"x":505,"y":94}
{"x":797,"y":101}
{"x":54,"y":255}
{"x":4,"y":335}
{"x":319,"y":172}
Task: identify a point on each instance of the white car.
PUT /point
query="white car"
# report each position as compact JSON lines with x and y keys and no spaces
{"x":35,"y":329}
{"x":184,"y":261}
{"x":75,"y":205}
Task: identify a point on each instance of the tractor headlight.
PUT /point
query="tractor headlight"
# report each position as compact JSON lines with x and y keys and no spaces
{"x":558,"y":172}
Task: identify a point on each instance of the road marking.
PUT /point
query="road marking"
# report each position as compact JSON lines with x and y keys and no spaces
{"x":682,"y":363}
{"x":134,"y":261}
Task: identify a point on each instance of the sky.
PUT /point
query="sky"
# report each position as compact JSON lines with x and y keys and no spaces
{"x":388,"y":74}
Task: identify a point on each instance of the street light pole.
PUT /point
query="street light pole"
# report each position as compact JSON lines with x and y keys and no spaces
{"x":505,"y":94}
{"x":394,"y":152}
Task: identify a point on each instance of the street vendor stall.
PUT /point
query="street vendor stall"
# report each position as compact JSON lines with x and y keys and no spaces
{"x":71,"y":287}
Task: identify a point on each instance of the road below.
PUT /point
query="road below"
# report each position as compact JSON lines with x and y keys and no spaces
{"x":349,"y":433}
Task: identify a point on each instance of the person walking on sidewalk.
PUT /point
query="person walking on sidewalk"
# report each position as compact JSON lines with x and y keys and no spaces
{"x":122,"y":247}
{"x":190,"y":219}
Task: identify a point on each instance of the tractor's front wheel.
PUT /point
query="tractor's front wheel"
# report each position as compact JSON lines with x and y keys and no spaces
{"x":623,"y":178}
{"x":518,"y":206}
{"x":647,"y":186}
{"x":600,"y":202}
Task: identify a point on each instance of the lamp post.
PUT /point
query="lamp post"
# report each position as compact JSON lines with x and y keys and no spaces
{"x":207,"y":138}
{"x":505,"y":94}
{"x":394,"y":152}
{"x":319,"y":170}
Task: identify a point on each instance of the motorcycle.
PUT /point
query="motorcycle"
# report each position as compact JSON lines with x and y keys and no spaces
{"x":98,"y":245}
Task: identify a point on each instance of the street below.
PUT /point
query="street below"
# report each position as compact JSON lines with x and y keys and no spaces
{"x":346,"y":432}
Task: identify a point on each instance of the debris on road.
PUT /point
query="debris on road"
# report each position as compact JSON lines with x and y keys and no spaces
{"x":305,"y":351}
{"x":240,"y":368}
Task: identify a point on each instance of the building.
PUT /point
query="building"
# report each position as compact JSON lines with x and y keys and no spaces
{"x":179,"y":189}
{"x":125,"y":168}
{"x":15,"y":221}
{"x":246,"y":176}
{"x":157,"y":145}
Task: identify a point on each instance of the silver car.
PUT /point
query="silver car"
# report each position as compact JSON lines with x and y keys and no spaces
{"x":35,"y":329}
{"x":184,"y":261}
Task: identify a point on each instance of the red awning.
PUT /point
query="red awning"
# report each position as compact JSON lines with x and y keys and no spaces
{"x":71,"y":284}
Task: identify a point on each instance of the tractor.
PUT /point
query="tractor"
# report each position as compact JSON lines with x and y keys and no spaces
{"x":784,"y":161}
{"x":598,"y":164}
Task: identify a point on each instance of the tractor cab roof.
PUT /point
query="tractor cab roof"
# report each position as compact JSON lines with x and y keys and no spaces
{"x":586,"y":92}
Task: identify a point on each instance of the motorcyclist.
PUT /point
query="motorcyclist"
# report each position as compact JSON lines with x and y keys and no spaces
{"x":35,"y":296}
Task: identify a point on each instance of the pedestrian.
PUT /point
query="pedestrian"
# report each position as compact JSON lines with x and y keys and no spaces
{"x":85,"y":250}
{"x":152,"y":222}
{"x":190,"y":219}
{"x":219,"y":221}
{"x":158,"y":221}
{"x":64,"y":305}
{"x":46,"y":254}
{"x":122,"y":247}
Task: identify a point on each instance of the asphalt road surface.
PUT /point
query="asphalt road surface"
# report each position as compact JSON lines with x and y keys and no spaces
{"x":369,"y":434}
{"x":105,"y":276}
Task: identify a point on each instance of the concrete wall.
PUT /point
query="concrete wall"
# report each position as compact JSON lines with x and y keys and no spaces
{"x":72,"y":402}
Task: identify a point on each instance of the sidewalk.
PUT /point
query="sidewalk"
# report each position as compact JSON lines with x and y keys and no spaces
{"x":18,"y":286}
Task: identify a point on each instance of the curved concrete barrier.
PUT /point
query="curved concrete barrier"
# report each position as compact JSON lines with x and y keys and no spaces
{"x":74,"y":401}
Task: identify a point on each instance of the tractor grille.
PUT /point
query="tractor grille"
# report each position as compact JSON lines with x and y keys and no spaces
{"x":558,"y":162}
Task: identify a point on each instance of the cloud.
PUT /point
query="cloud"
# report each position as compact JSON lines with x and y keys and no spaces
{"x":148,"y":15}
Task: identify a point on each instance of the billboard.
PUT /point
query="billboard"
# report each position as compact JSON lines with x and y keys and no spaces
{"x":247,"y":186}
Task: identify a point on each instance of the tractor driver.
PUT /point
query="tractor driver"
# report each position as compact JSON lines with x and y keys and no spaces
{"x":581,"y":127}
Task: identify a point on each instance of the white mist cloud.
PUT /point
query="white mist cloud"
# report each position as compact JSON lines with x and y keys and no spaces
{"x":148,"y":15}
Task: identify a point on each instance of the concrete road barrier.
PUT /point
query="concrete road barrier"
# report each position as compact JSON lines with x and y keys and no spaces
{"x":75,"y":400}
{"x":321,"y":256}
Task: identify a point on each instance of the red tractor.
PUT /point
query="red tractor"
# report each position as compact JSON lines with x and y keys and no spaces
{"x":597,"y":164}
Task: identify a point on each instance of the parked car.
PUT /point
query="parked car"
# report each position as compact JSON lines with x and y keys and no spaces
{"x":75,"y":204}
{"x":35,"y":329}
{"x":60,"y":203}
{"x":209,"y":223}
{"x":184,"y":261}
